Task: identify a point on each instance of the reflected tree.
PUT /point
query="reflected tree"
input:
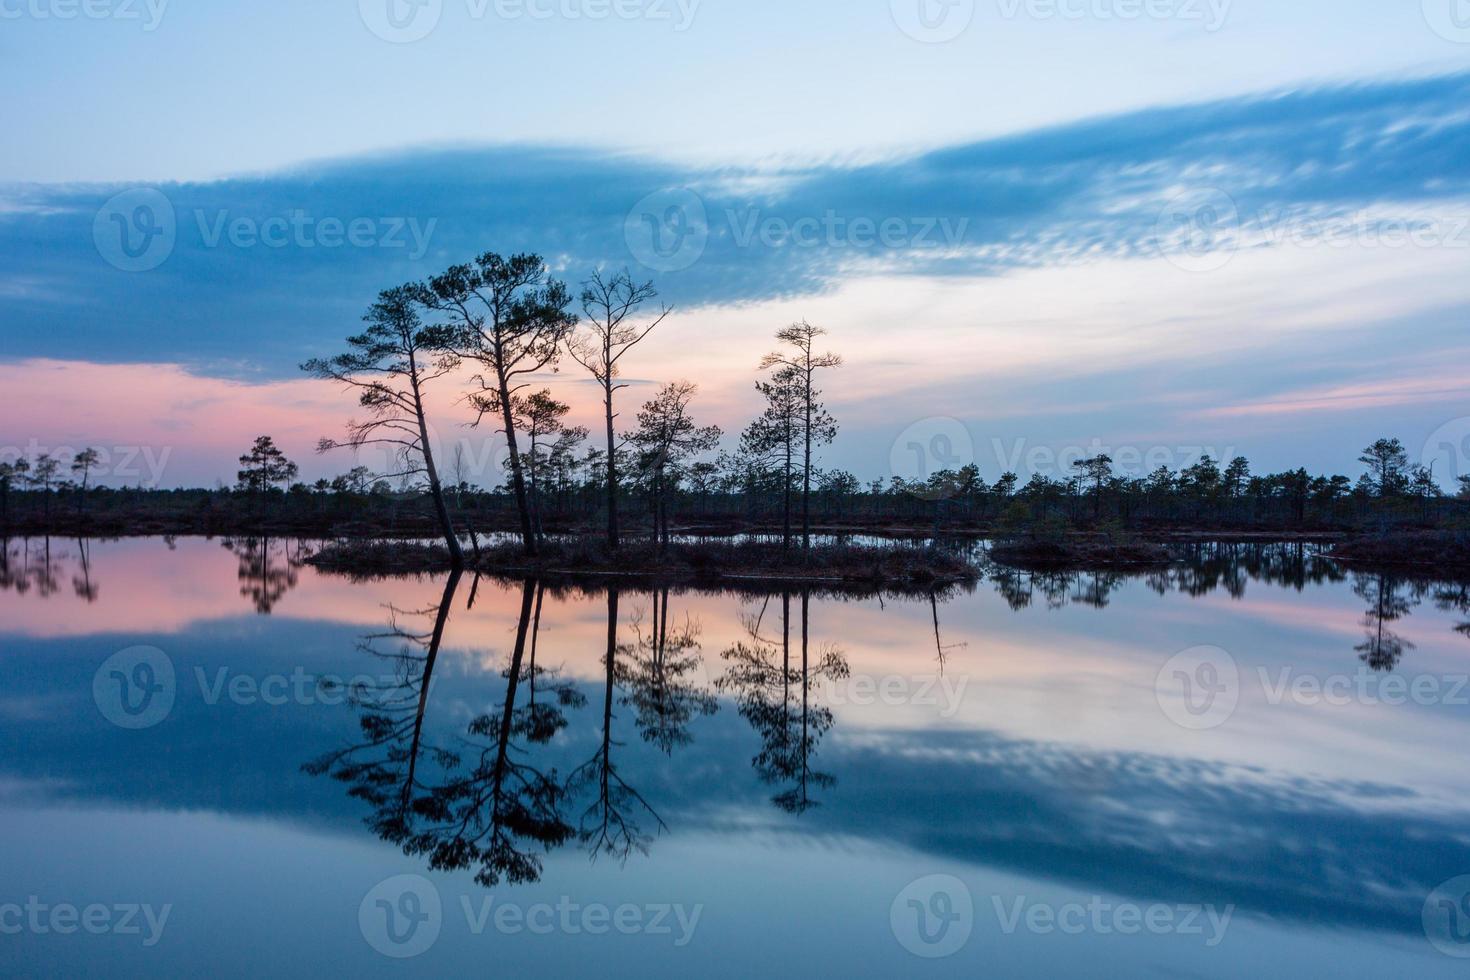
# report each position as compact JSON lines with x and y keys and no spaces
{"x":1382,"y":648}
{"x":484,"y":806}
{"x":484,"y":817}
{"x":383,"y":769}
{"x":657,"y":674}
{"x":611,"y":823}
{"x":1455,"y":598}
{"x":776,"y":699}
{"x":82,"y":581}
{"x":268,"y":569}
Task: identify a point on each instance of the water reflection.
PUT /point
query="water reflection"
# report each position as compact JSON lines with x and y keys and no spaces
{"x":760,"y":675}
{"x":493,"y":799}
{"x":511,"y":724}
{"x":268,"y":568}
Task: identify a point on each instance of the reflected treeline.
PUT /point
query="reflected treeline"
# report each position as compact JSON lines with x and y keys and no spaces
{"x":1202,"y":568}
{"x":1207,"y":567}
{"x":493,"y":797}
{"x":1391,"y":598}
{"x":40,"y":567}
{"x":268,"y":568}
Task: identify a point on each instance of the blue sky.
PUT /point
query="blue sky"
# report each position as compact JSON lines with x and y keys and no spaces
{"x":1161,"y":225}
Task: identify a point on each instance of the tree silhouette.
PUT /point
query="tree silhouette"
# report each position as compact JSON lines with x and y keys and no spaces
{"x":510,"y":317}
{"x":264,"y":466}
{"x":817,"y":427}
{"x":608,"y":305}
{"x":389,"y":365}
{"x":667,"y":436}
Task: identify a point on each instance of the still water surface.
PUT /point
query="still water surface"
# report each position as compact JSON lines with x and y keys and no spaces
{"x":217,"y":760}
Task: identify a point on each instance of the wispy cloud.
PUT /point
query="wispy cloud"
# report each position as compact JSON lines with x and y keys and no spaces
{"x":293,"y":276}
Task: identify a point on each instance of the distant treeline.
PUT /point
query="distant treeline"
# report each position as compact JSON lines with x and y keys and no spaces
{"x":729,"y":493}
{"x":509,"y":322}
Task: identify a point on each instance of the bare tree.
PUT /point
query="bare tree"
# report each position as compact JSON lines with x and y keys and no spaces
{"x":608,"y":304}
{"x":509,"y":316}
{"x":817,"y":426}
{"x":389,"y":365}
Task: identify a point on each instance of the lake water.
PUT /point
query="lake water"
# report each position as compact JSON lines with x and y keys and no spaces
{"x":218,"y":761}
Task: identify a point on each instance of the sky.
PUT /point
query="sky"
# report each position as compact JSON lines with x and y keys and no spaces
{"x":1034,"y":228}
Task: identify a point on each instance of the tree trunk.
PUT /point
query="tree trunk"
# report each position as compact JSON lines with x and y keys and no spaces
{"x":806,"y":476}
{"x":786,"y":496}
{"x":436,"y":490}
{"x":612,"y":473}
{"x":517,"y":477}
